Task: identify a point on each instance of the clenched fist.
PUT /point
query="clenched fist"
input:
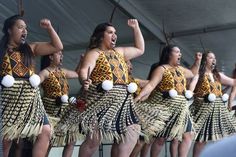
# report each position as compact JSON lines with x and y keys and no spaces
{"x":45,"y":23}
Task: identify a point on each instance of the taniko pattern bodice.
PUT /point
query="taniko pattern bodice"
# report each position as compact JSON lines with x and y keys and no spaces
{"x":56,"y":84}
{"x":173,"y":78}
{"x":206,"y":86}
{"x":13,"y":64}
{"x":110,"y":65}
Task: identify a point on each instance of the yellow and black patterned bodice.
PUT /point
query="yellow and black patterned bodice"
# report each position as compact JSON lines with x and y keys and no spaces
{"x":13,"y":64}
{"x":173,"y":78}
{"x":206,"y":86}
{"x":110,"y":65}
{"x":55,"y":85}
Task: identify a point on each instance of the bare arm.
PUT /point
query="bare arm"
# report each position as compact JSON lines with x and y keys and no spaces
{"x":139,"y":46}
{"x":154,"y":81}
{"x":195,"y":67}
{"x":231,"y":97}
{"x":70,"y":73}
{"x":77,"y":69}
{"x":89,"y":61}
{"x":43,"y":75}
{"x":45,"y":48}
{"x":225,"y":80}
{"x":187,"y":73}
{"x":193,"y":83}
{"x":142,"y":83}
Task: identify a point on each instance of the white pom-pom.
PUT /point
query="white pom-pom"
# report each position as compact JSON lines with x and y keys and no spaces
{"x":132,"y":87}
{"x":72,"y":100}
{"x":211,"y":97}
{"x":188,"y":94}
{"x":8,"y":81}
{"x":64,"y":98}
{"x":107,"y":85}
{"x":225,"y":97}
{"x":34,"y":80}
{"x":173,"y":93}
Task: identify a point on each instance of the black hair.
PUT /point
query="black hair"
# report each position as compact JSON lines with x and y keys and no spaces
{"x":165,"y":54}
{"x":45,"y":62}
{"x":23,"y":48}
{"x":202,"y":68}
{"x":164,"y":59}
{"x":98,"y":34}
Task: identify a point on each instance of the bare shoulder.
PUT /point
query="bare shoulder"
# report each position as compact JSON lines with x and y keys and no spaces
{"x":160,"y":69}
{"x":185,"y":70}
{"x":119,"y":50}
{"x":182,"y":68}
{"x":44,"y":72}
{"x":93,"y":52}
{"x":221,"y":74}
{"x":64,"y":69}
{"x":91,"y":56}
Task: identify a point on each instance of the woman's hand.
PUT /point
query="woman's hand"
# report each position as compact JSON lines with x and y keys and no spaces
{"x":133,"y":23}
{"x":229,"y":106}
{"x":86,"y":84}
{"x":198,"y":57}
{"x":141,"y":97}
{"x":45,"y":23}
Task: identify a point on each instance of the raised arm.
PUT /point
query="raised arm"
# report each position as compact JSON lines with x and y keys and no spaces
{"x":139,"y":46}
{"x":195,"y":67}
{"x":156,"y":78}
{"x":193,"y":83}
{"x":45,"y":48}
{"x":187,"y":73}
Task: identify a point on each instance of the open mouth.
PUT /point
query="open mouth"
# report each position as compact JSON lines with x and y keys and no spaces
{"x":113,"y":41}
{"x":23,"y":38}
{"x":61,"y":60}
{"x":213,"y":65}
{"x":178,"y":59}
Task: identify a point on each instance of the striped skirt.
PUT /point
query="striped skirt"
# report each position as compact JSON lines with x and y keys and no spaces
{"x":58,"y":117}
{"x":110,"y":112}
{"x":178,"y":116}
{"x":22,"y":111}
{"x":52,"y":109}
{"x":153,"y":117}
{"x":67,"y":129}
{"x":212,"y":121}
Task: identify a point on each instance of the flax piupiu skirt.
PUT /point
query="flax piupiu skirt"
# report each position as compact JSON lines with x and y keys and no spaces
{"x":212,"y":121}
{"x":109,"y":112}
{"x":153,"y":117}
{"x":177,"y":119}
{"x":68,"y":129}
{"x":22,"y":111}
{"x":59,"y":116}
